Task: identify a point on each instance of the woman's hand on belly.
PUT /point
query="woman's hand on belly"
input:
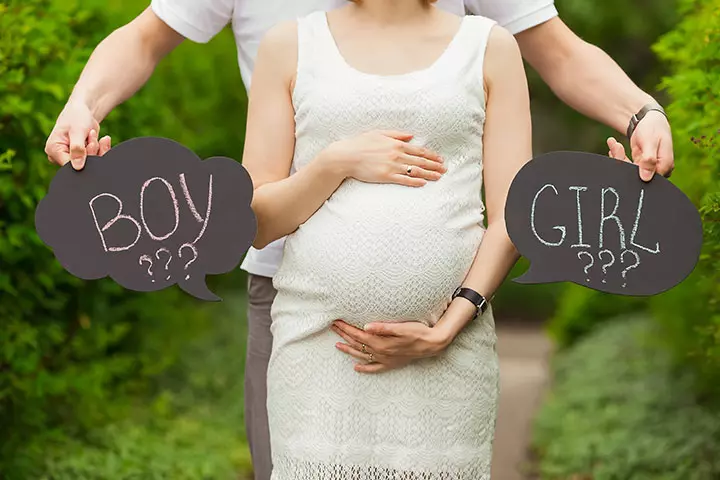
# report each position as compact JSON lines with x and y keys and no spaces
{"x":389,"y":346}
{"x":385,"y":157}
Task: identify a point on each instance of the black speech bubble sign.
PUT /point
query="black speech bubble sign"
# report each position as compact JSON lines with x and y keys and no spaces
{"x":150,"y":213}
{"x":591,"y":220}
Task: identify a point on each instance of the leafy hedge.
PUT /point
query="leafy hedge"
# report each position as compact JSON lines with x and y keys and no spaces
{"x":620,"y":409}
{"x":689,"y":313}
{"x":77,"y":356}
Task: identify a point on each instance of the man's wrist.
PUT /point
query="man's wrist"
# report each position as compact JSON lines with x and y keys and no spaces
{"x":638,"y":115}
{"x":83,"y":100}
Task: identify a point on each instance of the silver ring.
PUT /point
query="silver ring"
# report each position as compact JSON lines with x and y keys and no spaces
{"x":370,"y":357}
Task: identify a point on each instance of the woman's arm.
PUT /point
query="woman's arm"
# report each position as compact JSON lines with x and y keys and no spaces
{"x":507,"y":146}
{"x":281,"y":201}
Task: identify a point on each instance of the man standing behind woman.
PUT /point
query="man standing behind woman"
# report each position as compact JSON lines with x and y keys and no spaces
{"x":580,"y":74}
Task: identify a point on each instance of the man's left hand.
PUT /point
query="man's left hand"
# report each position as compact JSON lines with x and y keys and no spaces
{"x":651,"y":146}
{"x":389,"y":345}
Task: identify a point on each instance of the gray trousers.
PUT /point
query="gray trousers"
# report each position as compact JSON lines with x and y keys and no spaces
{"x":261,"y":294}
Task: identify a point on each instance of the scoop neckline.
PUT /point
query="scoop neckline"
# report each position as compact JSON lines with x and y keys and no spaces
{"x":446,"y":53}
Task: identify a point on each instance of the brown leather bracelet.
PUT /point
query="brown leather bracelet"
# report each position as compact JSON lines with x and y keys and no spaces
{"x":635,"y":119}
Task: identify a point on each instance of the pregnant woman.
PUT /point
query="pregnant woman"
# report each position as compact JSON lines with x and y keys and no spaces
{"x":371,"y":131}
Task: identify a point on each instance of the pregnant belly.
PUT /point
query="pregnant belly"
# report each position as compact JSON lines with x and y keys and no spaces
{"x":379,"y":259}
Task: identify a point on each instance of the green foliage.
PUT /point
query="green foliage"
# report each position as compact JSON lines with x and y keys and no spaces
{"x":190,"y":429}
{"x":77,"y":357}
{"x":619,"y":409}
{"x":690,"y":313}
{"x":582,"y":310}
{"x":538,"y":301}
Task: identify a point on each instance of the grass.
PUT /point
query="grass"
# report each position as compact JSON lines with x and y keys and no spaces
{"x":192,"y":430}
{"x":619,"y":409}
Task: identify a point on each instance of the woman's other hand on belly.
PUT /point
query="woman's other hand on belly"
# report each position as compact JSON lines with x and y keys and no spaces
{"x":385,"y":346}
{"x":385,"y":156}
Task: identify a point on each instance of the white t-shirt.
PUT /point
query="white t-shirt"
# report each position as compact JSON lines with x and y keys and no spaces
{"x":201,"y":20}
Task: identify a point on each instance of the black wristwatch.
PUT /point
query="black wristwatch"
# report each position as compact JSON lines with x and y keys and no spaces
{"x":635,"y":119}
{"x":474,"y":297}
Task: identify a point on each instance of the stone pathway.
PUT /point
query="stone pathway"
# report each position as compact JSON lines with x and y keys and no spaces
{"x":524,"y":352}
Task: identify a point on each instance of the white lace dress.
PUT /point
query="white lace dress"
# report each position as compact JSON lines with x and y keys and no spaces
{"x":381,"y":252}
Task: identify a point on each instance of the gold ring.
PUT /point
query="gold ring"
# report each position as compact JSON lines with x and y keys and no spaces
{"x":363,"y":348}
{"x":409,"y":170}
{"x":370,"y":357}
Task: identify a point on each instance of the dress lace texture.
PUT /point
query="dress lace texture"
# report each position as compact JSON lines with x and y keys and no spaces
{"x":378,"y":252}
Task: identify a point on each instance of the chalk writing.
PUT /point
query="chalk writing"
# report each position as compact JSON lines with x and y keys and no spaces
{"x":580,"y":243}
{"x":589,"y":265}
{"x":634,"y":265}
{"x":606,"y":265}
{"x":167,"y":264}
{"x":195,"y":254}
{"x":174,"y":203}
{"x":636,"y":224}
{"x":532,"y":220}
{"x":192,"y":207}
{"x":612,"y":216}
{"x":118,"y":216}
{"x":146,"y":258}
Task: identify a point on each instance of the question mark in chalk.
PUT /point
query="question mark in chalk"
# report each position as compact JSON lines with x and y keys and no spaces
{"x":146,"y":258}
{"x":157,"y":254}
{"x":587,"y":267}
{"x":195,"y":254}
{"x":634,"y":265}
{"x":607,"y":265}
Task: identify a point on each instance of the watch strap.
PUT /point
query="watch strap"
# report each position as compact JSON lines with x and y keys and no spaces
{"x":635,"y":119}
{"x":474,"y":297}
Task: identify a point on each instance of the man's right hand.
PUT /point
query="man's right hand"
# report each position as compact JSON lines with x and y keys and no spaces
{"x":75,"y":136}
{"x":385,"y":156}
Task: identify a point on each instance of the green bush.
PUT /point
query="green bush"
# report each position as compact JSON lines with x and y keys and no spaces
{"x":76,"y":356}
{"x":620,"y":409}
{"x":581,"y":310}
{"x":690,"y":313}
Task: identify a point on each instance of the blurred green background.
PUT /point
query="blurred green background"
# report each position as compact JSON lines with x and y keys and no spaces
{"x":101,"y":383}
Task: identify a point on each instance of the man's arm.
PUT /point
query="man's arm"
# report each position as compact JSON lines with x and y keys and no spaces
{"x":117,"y":68}
{"x":588,"y":80}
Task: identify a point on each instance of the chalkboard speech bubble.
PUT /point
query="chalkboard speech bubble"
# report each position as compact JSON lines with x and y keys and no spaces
{"x":590,"y":220}
{"x":149,"y":214}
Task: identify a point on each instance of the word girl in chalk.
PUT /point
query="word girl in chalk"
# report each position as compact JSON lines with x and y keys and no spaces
{"x":411,"y":247}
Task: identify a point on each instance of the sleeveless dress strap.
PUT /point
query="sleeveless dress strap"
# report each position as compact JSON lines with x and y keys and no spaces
{"x":473,"y":48}
{"x":314,"y":51}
